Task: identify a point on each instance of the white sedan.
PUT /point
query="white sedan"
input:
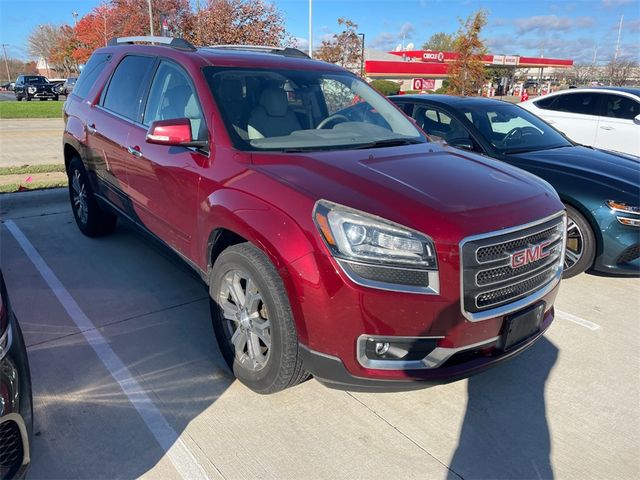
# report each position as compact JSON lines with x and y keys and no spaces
{"x":606,"y":118}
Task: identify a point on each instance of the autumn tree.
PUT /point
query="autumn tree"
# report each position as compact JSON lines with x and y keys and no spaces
{"x":439,"y":42}
{"x":244,"y":22}
{"x":466,"y":72}
{"x":344,"y":48}
{"x":62,"y":53}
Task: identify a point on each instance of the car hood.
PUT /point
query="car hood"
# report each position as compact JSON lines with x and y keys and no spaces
{"x":620,"y":172}
{"x":426,"y":186}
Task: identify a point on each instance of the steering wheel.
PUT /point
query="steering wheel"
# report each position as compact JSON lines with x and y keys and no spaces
{"x":518,"y":133}
{"x":332,"y":118}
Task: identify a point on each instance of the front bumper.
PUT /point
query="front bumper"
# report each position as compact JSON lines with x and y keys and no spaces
{"x":620,"y":252}
{"x":330,"y":370}
{"x":16,"y":405}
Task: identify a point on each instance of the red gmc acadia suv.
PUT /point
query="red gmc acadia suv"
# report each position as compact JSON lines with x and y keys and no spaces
{"x":335,"y":239}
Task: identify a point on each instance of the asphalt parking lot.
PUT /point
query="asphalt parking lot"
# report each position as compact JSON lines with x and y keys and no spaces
{"x":128,"y":380}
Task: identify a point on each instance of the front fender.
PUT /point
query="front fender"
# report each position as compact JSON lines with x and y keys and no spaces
{"x":269,"y":228}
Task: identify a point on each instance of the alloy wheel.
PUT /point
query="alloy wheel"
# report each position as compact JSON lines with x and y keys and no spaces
{"x":79,"y":197}
{"x":246,"y":319}
{"x":575,"y":244}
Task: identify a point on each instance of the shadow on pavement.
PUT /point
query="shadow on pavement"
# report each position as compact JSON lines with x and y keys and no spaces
{"x":505,"y":432}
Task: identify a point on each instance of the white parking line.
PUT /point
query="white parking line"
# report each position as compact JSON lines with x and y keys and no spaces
{"x":179,"y":454}
{"x":580,"y":321}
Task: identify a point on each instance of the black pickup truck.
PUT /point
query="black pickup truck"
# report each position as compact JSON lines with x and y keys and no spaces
{"x":34,"y":86}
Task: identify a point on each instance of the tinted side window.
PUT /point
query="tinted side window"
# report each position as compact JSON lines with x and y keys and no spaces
{"x":585,"y":103}
{"x":90,"y":73}
{"x":438,"y":124}
{"x":617,"y":106}
{"x":127,"y":84}
{"x":172,"y":96}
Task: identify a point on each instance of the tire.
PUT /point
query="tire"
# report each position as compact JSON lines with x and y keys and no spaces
{"x":90,"y":218}
{"x":27,"y":98}
{"x":18,"y":98}
{"x":581,"y":244}
{"x":266,"y":323}
{"x":56,"y":98}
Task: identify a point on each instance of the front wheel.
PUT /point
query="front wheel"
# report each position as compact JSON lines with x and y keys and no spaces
{"x":90,"y":218}
{"x":252,"y":320}
{"x":27,"y":98}
{"x":581,"y":244}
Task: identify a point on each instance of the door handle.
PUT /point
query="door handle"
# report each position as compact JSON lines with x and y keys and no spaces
{"x":606,"y":127}
{"x":135,"y":151}
{"x":91,"y":129}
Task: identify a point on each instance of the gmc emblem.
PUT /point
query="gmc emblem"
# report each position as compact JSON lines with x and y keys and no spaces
{"x":530,"y":254}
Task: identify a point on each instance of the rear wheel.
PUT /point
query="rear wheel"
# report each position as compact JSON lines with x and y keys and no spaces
{"x":253,"y":320}
{"x":90,"y":218}
{"x":581,"y":244}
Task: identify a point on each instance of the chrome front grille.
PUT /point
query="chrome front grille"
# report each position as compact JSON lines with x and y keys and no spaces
{"x":504,"y":271}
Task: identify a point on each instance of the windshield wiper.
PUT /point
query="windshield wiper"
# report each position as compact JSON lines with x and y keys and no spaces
{"x":388,"y":142}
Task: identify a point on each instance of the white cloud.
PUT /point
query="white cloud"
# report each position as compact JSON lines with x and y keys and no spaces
{"x":616,"y":3}
{"x":542,"y":23}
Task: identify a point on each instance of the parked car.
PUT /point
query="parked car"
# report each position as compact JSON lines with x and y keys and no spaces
{"x":353,"y":250}
{"x":600,"y":190}
{"x":16,"y":405}
{"x":7,"y":86}
{"x":606,"y":118}
{"x":28,"y":87}
{"x":67,"y":86}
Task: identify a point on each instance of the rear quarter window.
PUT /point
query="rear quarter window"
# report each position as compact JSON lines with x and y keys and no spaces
{"x":90,"y":73}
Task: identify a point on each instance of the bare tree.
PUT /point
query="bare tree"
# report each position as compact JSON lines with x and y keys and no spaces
{"x":43,"y":40}
{"x":344,"y":48}
{"x":619,"y":72}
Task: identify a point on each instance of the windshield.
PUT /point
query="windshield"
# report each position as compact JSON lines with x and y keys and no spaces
{"x":35,"y":79}
{"x":293,"y":110}
{"x":511,"y":129}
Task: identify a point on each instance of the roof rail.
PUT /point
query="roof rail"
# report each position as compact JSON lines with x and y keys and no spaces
{"x":285,"y":51}
{"x":179,"y":43}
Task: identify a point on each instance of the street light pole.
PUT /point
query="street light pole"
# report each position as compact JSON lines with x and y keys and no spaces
{"x":362,"y":56}
{"x":310,"y":29}
{"x":150,"y":18}
{"x":6,"y":62}
{"x":74,"y":14}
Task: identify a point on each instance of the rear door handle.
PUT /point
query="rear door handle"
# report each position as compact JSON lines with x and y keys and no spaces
{"x":135,"y":151}
{"x":606,"y":127}
{"x":91,"y":128}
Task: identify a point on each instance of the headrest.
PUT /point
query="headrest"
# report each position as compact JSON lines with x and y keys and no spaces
{"x":274,"y":101}
{"x":230,"y":90}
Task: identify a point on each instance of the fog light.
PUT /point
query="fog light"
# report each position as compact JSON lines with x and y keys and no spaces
{"x":382,"y":348}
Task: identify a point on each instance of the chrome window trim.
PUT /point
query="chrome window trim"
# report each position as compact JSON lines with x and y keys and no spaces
{"x":432,"y":289}
{"x":435,"y":359}
{"x":523,"y":302}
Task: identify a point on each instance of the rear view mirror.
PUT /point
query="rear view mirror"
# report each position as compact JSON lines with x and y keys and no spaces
{"x":173,"y":132}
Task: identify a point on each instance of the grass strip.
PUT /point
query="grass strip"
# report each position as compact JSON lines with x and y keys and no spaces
{"x":28,"y":169}
{"x":14,"y":187}
{"x":32,"y":109}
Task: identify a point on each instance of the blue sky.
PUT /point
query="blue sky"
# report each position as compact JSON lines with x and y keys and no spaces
{"x":557,"y":28}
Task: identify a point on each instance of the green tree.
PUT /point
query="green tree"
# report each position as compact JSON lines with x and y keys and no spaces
{"x":467,"y":72}
{"x":440,"y":42}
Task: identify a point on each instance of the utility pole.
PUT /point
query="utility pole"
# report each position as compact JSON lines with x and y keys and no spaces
{"x":310,"y":29}
{"x":6,"y":62}
{"x":362,"y":56}
{"x":150,"y":18}
{"x":615,"y":55}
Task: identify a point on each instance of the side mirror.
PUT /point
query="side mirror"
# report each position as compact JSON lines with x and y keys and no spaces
{"x":173,"y":132}
{"x":636,"y":119}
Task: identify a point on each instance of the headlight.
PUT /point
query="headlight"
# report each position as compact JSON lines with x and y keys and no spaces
{"x":31,"y":89}
{"x":376,"y":252}
{"x":623,"y":207}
